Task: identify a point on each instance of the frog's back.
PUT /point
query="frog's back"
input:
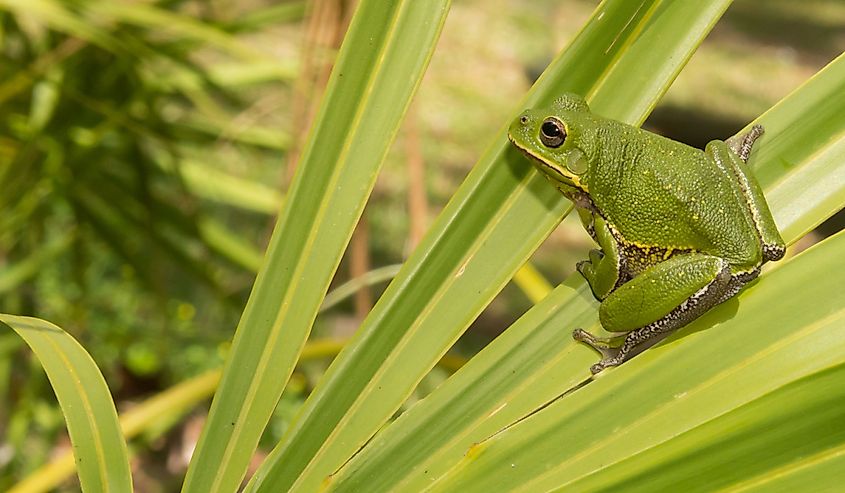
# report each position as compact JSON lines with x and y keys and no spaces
{"x":668,"y":197}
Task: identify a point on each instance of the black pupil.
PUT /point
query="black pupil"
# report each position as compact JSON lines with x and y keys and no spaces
{"x":551,"y":130}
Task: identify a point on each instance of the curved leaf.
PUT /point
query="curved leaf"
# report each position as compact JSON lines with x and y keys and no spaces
{"x":174,"y":401}
{"x":102,"y":461}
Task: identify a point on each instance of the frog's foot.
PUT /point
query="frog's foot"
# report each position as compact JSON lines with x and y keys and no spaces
{"x":610,"y":355}
{"x":699,"y":282}
{"x":618,"y":355}
{"x":588,"y":268}
{"x":615,"y":356}
{"x":602,"y":345}
{"x":601,"y":272}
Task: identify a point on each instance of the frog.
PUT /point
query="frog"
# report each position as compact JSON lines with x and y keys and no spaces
{"x":679,"y":229}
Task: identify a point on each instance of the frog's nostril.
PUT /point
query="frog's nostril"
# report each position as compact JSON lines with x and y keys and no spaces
{"x":523,"y":120}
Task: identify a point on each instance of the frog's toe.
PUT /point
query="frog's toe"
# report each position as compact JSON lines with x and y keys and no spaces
{"x":596,"y":343}
{"x":585,"y":268}
{"x":602,"y":345}
{"x":581,"y":335}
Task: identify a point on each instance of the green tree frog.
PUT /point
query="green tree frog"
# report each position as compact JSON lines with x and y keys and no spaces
{"x":680,"y":230}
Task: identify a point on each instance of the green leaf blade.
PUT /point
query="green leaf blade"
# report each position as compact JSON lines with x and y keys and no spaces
{"x":488,"y":393}
{"x":102,"y":459}
{"x":822,"y":471}
{"x":378,"y":69}
{"x":807,"y":123}
{"x":710,"y":453}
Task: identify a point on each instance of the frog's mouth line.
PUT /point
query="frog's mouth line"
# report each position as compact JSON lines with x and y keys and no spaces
{"x":555,"y":173}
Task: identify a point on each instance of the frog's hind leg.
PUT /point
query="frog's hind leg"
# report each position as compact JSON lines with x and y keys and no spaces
{"x":660,"y":300}
{"x":773,"y":245}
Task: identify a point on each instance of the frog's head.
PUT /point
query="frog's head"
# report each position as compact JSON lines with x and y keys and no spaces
{"x":551,"y":137}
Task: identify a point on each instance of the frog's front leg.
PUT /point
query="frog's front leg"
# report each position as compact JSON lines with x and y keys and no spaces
{"x":603,"y":269}
{"x":659,"y":300}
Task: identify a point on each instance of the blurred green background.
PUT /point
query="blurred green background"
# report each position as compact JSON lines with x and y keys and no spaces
{"x":145,"y":147}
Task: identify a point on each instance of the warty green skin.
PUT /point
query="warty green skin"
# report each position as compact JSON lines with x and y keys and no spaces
{"x":680,"y":229}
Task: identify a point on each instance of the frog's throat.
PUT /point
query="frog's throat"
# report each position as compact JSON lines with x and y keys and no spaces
{"x":557,"y":177}
{"x":551,"y":172}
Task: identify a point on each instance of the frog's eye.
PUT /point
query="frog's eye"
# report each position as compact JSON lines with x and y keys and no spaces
{"x":552,"y":132}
